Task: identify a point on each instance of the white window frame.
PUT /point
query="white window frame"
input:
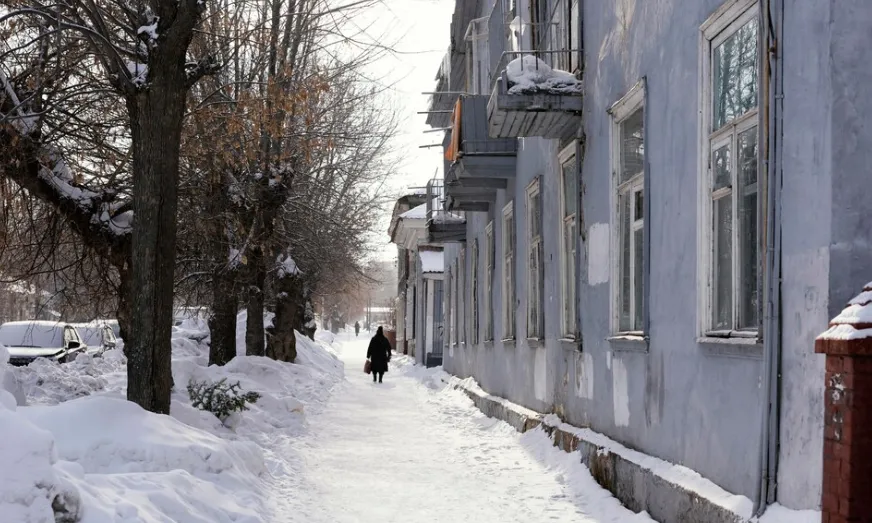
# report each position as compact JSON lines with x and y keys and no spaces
{"x":535,"y":325}
{"x":509,"y":272}
{"x":620,"y":111}
{"x":721,"y":25}
{"x":473,"y":292}
{"x":568,"y":329}
{"x":489,"y":282}
{"x":452,"y":304}
{"x":462,"y":304}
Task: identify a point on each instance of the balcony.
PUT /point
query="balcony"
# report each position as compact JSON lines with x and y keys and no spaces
{"x":443,"y":226}
{"x":531,"y":99}
{"x":476,"y":159}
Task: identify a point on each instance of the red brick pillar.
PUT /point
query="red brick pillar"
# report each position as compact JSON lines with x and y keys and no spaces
{"x":847,"y":474}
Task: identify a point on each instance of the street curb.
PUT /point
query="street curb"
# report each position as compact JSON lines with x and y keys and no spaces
{"x":639,"y":483}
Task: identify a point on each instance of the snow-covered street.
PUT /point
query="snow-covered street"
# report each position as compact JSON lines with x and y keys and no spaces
{"x":412,"y":450}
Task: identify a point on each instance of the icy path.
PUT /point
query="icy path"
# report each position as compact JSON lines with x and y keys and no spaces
{"x":408,"y":451}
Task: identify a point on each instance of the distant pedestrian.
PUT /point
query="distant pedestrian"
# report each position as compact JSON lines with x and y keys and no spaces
{"x":356,"y":328}
{"x":379,"y":354}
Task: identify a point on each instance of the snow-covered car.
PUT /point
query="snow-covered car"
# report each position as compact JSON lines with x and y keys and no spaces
{"x":98,"y":336}
{"x":28,"y":340}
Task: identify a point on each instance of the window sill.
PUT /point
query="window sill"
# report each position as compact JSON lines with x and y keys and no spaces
{"x":732,"y":347}
{"x":628,"y":342}
{"x":509,"y":343}
{"x":535,"y":343}
{"x":488,"y":344}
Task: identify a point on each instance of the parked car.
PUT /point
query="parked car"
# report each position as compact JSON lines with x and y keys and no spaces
{"x":98,"y":336}
{"x":29,"y":340}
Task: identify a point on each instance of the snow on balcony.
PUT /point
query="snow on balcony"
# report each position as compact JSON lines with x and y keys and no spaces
{"x":532,"y":99}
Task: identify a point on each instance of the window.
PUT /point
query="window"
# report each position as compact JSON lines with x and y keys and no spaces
{"x":452,"y":304}
{"x":535,"y":276}
{"x":730,"y":145}
{"x":509,"y":271}
{"x":569,"y":206}
{"x":539,"y":21}
{"x":476,"y":334}
{"x":462,"y":304}
{"x":488,"y":283}
{"x":628,"y":160}
{"x":563,"y":31}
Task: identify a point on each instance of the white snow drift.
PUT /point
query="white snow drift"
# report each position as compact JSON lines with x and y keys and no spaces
{"x":82,"y":447}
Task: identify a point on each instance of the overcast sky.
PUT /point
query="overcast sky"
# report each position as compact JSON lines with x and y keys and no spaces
{"x":419,"y":30}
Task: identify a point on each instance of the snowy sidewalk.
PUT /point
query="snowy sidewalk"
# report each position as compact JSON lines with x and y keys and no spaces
{"x":411,"y":451}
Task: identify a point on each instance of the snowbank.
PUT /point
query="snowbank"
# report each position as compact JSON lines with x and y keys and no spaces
{"x":33,"y":485}
{"x":527,"y":74}
{"x":81,"y":441}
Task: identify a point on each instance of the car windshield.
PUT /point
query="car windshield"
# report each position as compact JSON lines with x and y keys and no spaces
{"x":36,"y":335}
{"x":92,"y":336}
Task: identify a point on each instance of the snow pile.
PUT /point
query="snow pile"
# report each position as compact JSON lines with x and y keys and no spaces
{"x":46,"y":382}
{"x":126,"y":464}
{"x":577,"y":476}
{"x":33,"y":486}
{"x":528,"y":74}
{"x":778,"y":514}
{"x":855,"y":320}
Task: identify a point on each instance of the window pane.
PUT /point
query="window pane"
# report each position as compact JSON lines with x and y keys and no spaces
{"x":721,"y":169}
{"x":624,"y":323}
{"x":574,"y":19}
{"x":638,"y":205}
{"x":533,"y":294}
{"x":632,"y":145}
{"x":570,"y":189}
{"x":535,"y":215}
{"x":747,"y":199}
{"x":734,"y":68}
{"x":569,"y":276}
{"x":638,"y":238}
{"x":510,"y":298}
{"x":474,"y":291}
{"x":722,"y":305}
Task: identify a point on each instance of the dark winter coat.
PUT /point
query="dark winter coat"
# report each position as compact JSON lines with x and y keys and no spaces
{"x":379,"y":352}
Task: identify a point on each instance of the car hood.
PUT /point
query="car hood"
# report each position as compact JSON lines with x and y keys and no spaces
{"x":32,"y":352}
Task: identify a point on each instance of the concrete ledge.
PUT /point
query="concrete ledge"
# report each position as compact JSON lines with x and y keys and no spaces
{"x":669,"y":493}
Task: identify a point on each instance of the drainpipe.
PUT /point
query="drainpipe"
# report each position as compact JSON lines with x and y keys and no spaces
{"x":772,"y":20}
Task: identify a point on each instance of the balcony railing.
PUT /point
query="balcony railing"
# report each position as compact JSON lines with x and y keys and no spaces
{"x":436,"y":204}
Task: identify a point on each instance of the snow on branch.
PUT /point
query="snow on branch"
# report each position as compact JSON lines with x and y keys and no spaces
{"x":287,"y":266}
{"x":103,"y":221}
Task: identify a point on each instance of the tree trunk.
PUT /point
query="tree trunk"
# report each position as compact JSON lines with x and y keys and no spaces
{"x":156,"y":126}
{"x":125,"y":301}
{"x":222,"y":322}
{"x":254,"y":335}
{"x":282,"y":341}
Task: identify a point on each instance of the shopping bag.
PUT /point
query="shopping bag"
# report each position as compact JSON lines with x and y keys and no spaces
{"x":367,"y":367}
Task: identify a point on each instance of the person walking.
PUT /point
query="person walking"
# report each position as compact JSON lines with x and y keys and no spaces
{"x":379,"y":354}
{"x":357,"y":328}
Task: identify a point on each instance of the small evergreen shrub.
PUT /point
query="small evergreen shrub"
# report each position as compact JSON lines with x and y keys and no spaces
{"x":220,"y":398}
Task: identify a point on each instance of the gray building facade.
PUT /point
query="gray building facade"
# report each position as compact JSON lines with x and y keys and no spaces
{"x":657,"y":265}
